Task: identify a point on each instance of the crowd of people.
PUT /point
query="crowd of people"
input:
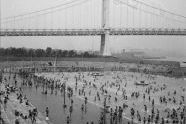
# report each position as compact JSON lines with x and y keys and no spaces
{"x":10,"y":89}
{"x":161,"y":101}
{"x":157,"y":102}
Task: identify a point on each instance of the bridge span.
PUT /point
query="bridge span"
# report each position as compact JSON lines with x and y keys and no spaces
{"x":90,"y":32}
{"x":73,"y":19}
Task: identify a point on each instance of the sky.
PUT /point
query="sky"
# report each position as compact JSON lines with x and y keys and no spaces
{"x":88,"y":15}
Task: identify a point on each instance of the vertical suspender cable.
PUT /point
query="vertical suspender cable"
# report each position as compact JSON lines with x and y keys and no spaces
{"x":92,"y":9}
{"x":65,"y":19}
{"x":152,"y":17}
{"x":36,"y":22}
{"x":127,"y":14}
{"x":28,"y":23}
{"x":79,"y":17}
{"x":50,"y":20}
{"x":42,"y":22}
{"x":139,"y":15}
{"x":133,"y":19}
{"x":166,"y":22}
{"x":161,"y":25}
{"x":112,"y":13}
{"x":73,"y":18}
{"x":90,"y":14}
{"x":147,"y":20}
{"x":120,"y":12}
{"x":13,"y":24}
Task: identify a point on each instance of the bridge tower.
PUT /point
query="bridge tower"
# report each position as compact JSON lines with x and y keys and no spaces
{"x":0,"y":24}
{"x":105,"y":25}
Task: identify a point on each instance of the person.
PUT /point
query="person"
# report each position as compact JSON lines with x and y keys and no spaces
{"x":5,"y":103}
{"x":70,"y":110}
{"x":82,"y":107}
{"x":47,"y":113}
{"x":68,"y":120}
{"x":17,"y":121}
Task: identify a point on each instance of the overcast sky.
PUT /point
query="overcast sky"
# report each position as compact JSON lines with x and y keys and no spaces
{"x":16,"y":7}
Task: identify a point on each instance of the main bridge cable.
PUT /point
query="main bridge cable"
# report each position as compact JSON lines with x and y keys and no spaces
{"x":59,"y":9}
{"x":38,"y":11}
{"x":166,"y":11}
{"x":134,"y":7}
{"x":42,"y":10}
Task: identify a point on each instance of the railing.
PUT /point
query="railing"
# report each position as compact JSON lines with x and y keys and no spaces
{"x":72,"y":32}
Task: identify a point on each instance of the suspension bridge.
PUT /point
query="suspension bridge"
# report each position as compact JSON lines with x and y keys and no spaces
{"x":95,"y":17}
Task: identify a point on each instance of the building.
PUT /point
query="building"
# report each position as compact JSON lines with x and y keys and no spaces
{"x":183,"y":68}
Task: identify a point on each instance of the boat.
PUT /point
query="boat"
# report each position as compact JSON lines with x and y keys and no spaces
{"x":141,"y":83}
{"x":97,"y":74}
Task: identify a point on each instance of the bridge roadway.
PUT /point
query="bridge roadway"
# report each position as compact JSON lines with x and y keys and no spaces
{"x":90,"y":32}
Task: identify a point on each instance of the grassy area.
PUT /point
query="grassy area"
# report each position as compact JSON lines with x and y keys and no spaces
{"x":153,"y":66}
{"x":96,"y":59}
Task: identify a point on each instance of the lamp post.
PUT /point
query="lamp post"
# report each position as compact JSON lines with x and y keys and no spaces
{"x":105,"y":109}
{"x":64,"y":90}
{"x":104,"y":114}
{"x":184,"y":119}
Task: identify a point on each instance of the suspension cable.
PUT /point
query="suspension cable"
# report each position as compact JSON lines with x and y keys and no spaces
{"x":42,"y":10}
{"x":166,"y":11}
{"x":145,"y":11}
{"x":59,"y":9}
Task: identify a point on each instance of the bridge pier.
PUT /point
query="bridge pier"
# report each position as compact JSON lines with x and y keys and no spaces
{"x":105,"y":27}
{"x":102,"y":45}
{"x":104,"y":50}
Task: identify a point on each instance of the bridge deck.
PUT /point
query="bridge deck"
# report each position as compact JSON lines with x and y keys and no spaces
{"x":89,"y":32}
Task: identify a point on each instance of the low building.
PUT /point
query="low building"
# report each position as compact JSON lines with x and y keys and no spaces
{"x":183,"y":68}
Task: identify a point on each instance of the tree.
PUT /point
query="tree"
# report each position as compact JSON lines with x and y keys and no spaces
{"x":72,"y":53}
{"x":31,"y":53}
{"x":86,"y":54}
{"x":39,"y":53}
{"x":65,"y":53}
{"x":48,"y":51}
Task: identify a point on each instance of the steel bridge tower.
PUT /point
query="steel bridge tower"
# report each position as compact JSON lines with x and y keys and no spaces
{"x":105,"y":25}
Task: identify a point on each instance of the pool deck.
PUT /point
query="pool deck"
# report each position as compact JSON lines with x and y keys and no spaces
{"x":8,"y":112}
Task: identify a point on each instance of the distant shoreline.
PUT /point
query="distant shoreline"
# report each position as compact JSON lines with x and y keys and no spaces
{"x":154,"y":58}
{"x":181,"y":59}
{"x":92,"y":59}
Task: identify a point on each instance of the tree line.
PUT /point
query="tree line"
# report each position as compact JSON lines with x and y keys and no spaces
{"x":48,"y":52}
